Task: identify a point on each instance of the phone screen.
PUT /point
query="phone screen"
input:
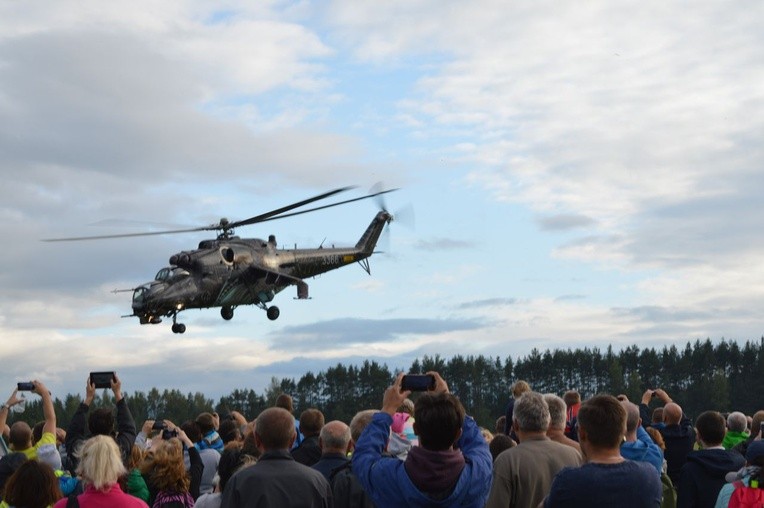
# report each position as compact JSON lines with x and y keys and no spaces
{"x":418,"y":382}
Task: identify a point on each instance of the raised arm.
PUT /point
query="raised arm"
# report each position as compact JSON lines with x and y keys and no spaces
{"x":47,"y":407}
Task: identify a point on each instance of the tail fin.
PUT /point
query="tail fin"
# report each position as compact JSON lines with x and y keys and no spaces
{"x":370,"y":237}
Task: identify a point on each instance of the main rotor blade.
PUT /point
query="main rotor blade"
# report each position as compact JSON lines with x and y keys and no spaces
{"x":265,"y":216}
{"x":327,"y":206}
{"x":129,"y":235}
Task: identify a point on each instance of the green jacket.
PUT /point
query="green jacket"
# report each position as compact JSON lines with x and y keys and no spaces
{"x":732,"y":438}
{"x":136,"y":485}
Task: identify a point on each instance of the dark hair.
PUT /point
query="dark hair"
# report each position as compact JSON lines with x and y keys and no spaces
{"x":438,"y":418}
{"x":231,"y":460}
{"x":33,"y":485}
{"x":284,"y":401}
{"x":206,"y":423}
{"x":311,"y":422}
{"x":8,"y":465}
{"x":499,"y":443}
{"x":571,"y":397}
{"x":711,"y":427}
{"x":192,"y":430}
{"x":229,"y":431}
{"x":501,"y":423}
{"x":603,"y":418}
{"x":101,"y":422}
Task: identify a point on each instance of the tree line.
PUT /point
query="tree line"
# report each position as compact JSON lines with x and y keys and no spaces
{"x":724,"y":376}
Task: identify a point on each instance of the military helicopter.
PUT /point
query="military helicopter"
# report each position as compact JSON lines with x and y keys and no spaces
{"x":230,"y":271}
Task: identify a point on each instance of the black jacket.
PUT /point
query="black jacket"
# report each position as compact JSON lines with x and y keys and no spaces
{"x":309,"y":451}
{"x":702,"y":476}
{"x":78,"y":431}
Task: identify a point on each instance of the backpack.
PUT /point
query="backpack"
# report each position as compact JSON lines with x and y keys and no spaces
{"x":744,"y":496}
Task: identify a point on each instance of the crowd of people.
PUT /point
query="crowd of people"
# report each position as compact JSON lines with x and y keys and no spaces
{"x":546,"y":451}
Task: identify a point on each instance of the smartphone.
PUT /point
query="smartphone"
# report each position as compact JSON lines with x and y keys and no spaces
{"x":418,"y":382}
{"x":102,"y":379}
{"x":25,"y":387}
{"x":159,"y":425}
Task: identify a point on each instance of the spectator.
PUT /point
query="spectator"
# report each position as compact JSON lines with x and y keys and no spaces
{"x":134,"y":484}
{"x":100,"y":422}
{"x":678,"y":434}
{"x":522,"y":475}
{"x":232,"y":460}
{"x":335,"y":444}
{"x":403,"y":422}
{"x":703,"y":475}
{"x":229,"y":431}
{"x":518,"y":388}
{"x":499,"y":443}
{"x":657,"y":419}
{"x":8,"y":465}
{"x":639,"y":445}
{"x":210,"y":457}
{"x":558,"y":421}
{"x":756,"y":421}
{"x":606,"y":479}
{"x":501,"y":422}
{"x":210,"y":437}
{"x":284,"y":401}
{"x":450,"y":467}
{"x":21,"y":436}
{"x":346,"y":489}
{"x":309,"y":451}
{"x":573,"y":402}
{"x":170,"y":485}
{"x":276,"y":480}
{"x":33,"y":485}
{"x":737,"y":430}
{"x":753,"y":472}
{"x":100,"y":467}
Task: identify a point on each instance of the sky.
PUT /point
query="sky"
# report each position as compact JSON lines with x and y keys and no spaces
{"x":580,"y":174}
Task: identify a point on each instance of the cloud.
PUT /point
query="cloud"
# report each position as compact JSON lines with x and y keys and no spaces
{"x":562,"y":222}
{"x":435,"y":244}
{"x":488,"y":302}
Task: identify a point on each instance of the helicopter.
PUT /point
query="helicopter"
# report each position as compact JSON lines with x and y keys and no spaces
{"x":230,"y":271}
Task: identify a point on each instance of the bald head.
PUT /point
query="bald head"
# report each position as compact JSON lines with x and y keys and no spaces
{"x":672,"y":413}
{"x":632,"y":416}
{"x":334,"y":437}
{"x":274,"y":429}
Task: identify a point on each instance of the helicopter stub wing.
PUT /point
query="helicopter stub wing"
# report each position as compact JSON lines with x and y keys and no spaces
{"x":258,"y":284}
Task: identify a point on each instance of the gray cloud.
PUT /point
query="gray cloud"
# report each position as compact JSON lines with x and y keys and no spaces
{"x":563,"y":222}
{"x":488,"y":302}
{"x":435,"y":244}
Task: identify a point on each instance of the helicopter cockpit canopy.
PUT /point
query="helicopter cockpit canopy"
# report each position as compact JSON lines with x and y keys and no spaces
{"x":168,"y":273}
{"x":139,"y":294}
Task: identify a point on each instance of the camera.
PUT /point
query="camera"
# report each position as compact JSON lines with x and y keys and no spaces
{"x":159,"y":425}
{"x":25,"y":387}
{"x":169,"y":434}
{"x":102,"y":379}
{"x":655,"y":394}
{"x":418,"y":382}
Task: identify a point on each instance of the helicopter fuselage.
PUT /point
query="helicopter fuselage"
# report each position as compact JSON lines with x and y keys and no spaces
{"x":230,"y":271}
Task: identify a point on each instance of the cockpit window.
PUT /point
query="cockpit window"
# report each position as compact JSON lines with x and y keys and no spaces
{"x":162,"y":274}
{"x":138,"y":294}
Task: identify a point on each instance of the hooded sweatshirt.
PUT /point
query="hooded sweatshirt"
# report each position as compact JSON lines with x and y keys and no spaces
{"x":643,"y":449}
{"x":703,"y":476}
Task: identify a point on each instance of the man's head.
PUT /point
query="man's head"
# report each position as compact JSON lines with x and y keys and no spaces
{"x":284,"y":401}
{"x":737,"y":422}
{"x":531,"y":413}
{"x":602,"y":422}
{"x":407,"y":406}
{"x":101,"y":422}
{"x":359,"y":422}
{"x":20,"y":436}
{"x":710,"y":427}
{"x":311,"y":422}
{"x":519,"y":388}
{"x":192,"y":431}
{"x":274,"y":429}
{"x":206,"y":423}
{"x":657,"y":415}
{"x":571,"y":397}
{"x":756,"y":421}
{"x":557,"y":411}
{"x":335,"y":437}
{"x":438,"y":419}
{"x":672,"y":413}
{"x":500,"y":424}
{"x":632,"y":416}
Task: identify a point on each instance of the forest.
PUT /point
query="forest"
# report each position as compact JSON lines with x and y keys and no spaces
{"x":724,"y":376}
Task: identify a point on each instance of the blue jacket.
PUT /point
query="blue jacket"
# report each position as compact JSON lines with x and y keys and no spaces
{"x":643,"y":449}
{"x":385,"y":479}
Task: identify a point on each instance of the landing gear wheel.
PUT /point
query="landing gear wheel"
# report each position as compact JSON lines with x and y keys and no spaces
{"x":226,"y":313}
{"x":178,"y":328}
{"x":273,"y":313}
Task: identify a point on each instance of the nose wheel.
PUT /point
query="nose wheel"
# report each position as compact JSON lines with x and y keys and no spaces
{"x":226,"y":313}
{"x":273,"y":313}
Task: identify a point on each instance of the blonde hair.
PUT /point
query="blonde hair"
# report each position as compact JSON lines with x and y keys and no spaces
{"x":519,"y":388}
{"x":100,"y":463}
